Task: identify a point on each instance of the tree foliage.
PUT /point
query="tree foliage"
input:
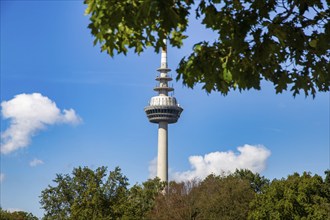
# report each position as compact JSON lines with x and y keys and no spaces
{"x":284,"y":42}
{"x":141,"y":199}
{"x":257,"y":182}
{"x":93,"y":194}
{"x":16,"y":215}
{"x":179,"y":202}
{"x":87,"y":194}
{"x":224,"y":198}
{"x":216,"y":197}
{"x":297,"y":197}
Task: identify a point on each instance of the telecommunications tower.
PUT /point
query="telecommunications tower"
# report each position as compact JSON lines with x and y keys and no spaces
{"x":163,"y":110}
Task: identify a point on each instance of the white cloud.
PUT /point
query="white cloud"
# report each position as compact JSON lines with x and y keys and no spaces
{"x":249,"y":157}
{"x":2,"y":177}
{"x":35,"y":162}
{"x":28,"y":114}
{"x":153,"y":168}
{"x":14,"y":210}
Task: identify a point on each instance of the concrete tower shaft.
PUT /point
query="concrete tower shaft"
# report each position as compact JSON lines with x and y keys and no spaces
{"x":163,"y":110}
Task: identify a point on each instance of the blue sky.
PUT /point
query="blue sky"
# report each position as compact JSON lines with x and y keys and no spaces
{"x":47,"y":49}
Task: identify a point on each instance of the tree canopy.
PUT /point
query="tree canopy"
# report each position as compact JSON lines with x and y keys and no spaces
{"x":16,"y":215}
{"x":95,"y":194}
{"x":98,"y":194}
{"x":297,"y":197}
{"x":284,"y":42}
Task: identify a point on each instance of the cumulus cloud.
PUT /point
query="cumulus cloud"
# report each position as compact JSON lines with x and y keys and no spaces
{"x":29,"y":114}
{"x":35,"y":162}
{"x":153,"y":168}
{"x":14,"y":210}
{"x":248,"y":157}
{"x":2,"y":177}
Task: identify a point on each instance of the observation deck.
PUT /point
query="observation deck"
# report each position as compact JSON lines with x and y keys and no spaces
{"x":163,"y":109}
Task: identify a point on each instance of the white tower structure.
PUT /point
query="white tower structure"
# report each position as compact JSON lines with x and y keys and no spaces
{"x":163,"y":110}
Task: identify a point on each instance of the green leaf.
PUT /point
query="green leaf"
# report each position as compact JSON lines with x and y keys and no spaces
{"x":227,"y":75}
{"x":313,"y":43}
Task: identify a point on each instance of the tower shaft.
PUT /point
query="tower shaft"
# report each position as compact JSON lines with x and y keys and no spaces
{"x":162,"y":159}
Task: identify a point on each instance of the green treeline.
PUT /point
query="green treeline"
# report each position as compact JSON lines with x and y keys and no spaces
{"x":16,"y":215}
{"x":101,"y":195}
{"x":98,"y":194}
